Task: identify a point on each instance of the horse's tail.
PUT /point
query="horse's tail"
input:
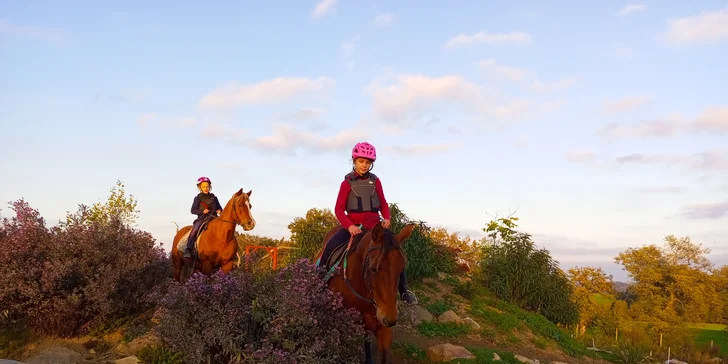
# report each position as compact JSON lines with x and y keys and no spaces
{"x":175,"y":224}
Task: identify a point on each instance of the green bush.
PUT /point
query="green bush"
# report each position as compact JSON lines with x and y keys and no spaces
{"x":425,"y":257}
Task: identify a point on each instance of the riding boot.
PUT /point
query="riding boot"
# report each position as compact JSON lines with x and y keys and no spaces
{"x":191,"y":239}
{"x":407,"y":296}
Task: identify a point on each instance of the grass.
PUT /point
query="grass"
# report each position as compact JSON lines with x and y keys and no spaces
{"x":598,"y":298}
{"x":715,"y":332}
{"x":434,"y":329}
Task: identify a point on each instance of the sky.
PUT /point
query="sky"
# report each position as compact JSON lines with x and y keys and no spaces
{"x":602,"y":125}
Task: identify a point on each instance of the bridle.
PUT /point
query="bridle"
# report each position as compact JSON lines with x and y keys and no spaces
{"x":366,"y":267}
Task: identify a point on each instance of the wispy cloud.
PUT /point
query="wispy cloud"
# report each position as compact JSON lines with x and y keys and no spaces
{"x":275,"y":90}
{"x":419,"y":149}
{"x":704,"y":28}
{"x":464,"y":40}
{"x":512,"y":73}
{"x":712,"y":120}
{"x":628,"y":103}
{"x":53,"y":35}
{"x":659,"y":190}
{"x":153,"y":119}
{"x":323,"y":8}
{"x":383,"y":20}
{"x":631,"y":9}
{"x":712,"y":210}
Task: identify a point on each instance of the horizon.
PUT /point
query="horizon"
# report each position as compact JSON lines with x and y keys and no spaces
{"x":605,"y":126}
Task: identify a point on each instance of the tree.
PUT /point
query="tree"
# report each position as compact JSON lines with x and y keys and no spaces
{"x":117,"y":205}
{"x":307,"y":233}
{"x":588,"y":282}
{"x":673,"y":283}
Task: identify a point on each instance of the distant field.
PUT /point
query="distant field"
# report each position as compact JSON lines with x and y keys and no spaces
{"x":599,"y":299}
{"x":715,"y":332}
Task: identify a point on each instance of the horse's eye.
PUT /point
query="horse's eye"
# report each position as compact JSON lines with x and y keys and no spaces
{"x":375,"y":270}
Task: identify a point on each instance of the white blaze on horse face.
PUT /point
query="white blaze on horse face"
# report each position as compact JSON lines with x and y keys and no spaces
{"x":250,"y":212}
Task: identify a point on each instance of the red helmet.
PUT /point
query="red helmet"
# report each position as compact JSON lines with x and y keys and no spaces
{"x":364,"y":150}
{"x":203,"y":179}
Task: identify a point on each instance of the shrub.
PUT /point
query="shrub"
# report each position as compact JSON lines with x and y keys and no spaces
{"x":425,"y":257}
{"x":519,"y":273}
{"x":284,"y":316}
{"x":67,"y":279}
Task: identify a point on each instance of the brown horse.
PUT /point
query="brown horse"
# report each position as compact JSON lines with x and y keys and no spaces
{"x":216,"y":245}
{"x":370,"y":283}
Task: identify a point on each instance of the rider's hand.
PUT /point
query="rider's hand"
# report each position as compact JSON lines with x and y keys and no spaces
{"x":386,"y":223}
{"x":218,"y":212}
{"x":206,"y":211}
{"x":354,"y":230}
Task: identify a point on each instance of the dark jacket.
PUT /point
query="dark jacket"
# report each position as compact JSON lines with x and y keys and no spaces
{"x":205,"y":201}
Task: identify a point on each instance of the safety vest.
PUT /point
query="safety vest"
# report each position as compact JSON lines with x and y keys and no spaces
{"x":363,"y":194}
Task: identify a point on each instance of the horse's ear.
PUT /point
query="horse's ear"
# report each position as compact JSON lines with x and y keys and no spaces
{"x":405,"y":233}
{"x":378,"y":232}
{"x":240,"y":192}
{"x":249,"y":193}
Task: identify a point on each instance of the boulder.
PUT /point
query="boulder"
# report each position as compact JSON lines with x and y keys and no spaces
{"x":442,"y":353}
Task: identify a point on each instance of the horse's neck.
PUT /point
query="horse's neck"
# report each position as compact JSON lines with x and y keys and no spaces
{"x":355,"y":258}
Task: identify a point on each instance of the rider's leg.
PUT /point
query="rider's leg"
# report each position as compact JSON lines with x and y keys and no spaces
{"x":407,"y":295}
{"x":193,"y":236}
{"x":341,"y":237}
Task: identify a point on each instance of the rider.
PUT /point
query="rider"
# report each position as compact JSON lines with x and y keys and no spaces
{"x":358,"y":204}
{"x":203,"y":205}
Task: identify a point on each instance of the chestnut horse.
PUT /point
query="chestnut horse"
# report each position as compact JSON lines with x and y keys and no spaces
{"x":216,"y":245}
{"x":369,"y":282}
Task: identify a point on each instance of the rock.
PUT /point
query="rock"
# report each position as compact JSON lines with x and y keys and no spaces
{"x":133,"y":347}
{"x":449,"y":316}
{"x":496,"y":357}
{"x":56,"y":355}
{"x":441,"y":275}
{"x":421,"y":315}
{"x":675,"y":361}
{"x":8,"y":361}
{"x":471,"y":323}
{"x":523,"y":359}
{"x":92,"y":351}
{"x":558,"y":362}
{"x":127,"y":360}
{"x":442,"y":353}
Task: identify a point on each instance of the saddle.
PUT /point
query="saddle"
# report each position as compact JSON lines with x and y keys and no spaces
{"x":182,"y":243}
{"x":336,"y":257}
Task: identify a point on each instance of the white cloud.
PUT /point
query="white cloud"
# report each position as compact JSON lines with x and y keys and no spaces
{"x":418,"y":149}
{"x":627,"y":103}
{"x":53,"y":35}
{"x":463,"y":40}
{"x":511,"y":73}
{"x":709,"y":160}
{"x":632,"y":8}
{"x":712,"y":210}
{"x":287,"y":138}
{"x":278,"y":89}
{"x":306,"y":113}
{"x":323,"y":8}
{"x":383,"y":20}
{"x":713,"y":119}
{"x":707,"y":27}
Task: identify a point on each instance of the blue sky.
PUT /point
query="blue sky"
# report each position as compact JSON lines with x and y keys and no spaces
{"x":605,"y":125}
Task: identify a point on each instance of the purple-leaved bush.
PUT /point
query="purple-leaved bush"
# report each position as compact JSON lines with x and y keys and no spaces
{"x":281,"y":317}
{"x":70,"y":278}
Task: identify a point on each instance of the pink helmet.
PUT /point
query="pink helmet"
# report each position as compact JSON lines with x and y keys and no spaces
{"x":364,"y":150}
{"x":203,"y":179}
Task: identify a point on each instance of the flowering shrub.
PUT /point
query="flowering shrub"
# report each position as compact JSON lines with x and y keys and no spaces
{"x":69,"y":278}
{"x":285,"y":316}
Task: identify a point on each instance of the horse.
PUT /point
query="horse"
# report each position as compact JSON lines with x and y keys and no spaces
{"x":216,"y":244}
{"x":369,"y":281}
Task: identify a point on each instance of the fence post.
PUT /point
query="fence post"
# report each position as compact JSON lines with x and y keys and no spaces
{"x":660,"y":339}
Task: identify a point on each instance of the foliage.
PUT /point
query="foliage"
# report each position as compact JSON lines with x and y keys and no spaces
{"x":675,"y":282}
{"x":433,"y":329}
{"x":425,"y":256}
{"x":71,"y":278}
{"x":159,"y":354}
{"x":283,"y":316}
{"x":466,"y":249}
{"x":261,"y":258}
{"x":118,"y":205}
{"x":519,"y":273}
{"x":307,"y":233}
{"x":588,"y":284}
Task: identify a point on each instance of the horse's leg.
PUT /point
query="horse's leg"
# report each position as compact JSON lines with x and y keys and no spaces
{"x":206,"y":267}
{"x":227,"y":266}
{"x":368,"y":351}
{"x":384,"y":344}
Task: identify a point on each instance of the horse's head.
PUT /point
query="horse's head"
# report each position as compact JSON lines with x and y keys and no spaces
{"x":242,"y":209}
{"x":385,"y":261}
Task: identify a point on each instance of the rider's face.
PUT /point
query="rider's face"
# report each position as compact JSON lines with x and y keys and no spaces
{"x":362,"y":165}
{"x":205,"y":187}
